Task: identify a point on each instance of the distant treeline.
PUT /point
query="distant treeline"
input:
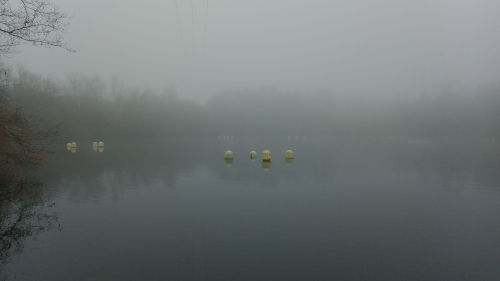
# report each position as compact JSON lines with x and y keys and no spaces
{"x":87,"y":108}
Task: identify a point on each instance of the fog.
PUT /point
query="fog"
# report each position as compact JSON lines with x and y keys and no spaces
{"x":88,"y":108}
{"x":127,"y":148}
{"x":202,"y":47}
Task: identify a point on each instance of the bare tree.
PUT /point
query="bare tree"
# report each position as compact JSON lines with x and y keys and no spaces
{"x":31,"y":21}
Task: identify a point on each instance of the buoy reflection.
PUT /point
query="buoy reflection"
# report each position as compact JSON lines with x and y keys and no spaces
{"x":289,"y":161}
{"x":229,"y":162}
{"x":266,"y":165}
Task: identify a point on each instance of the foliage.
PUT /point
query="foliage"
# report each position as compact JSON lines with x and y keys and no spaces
{"x":20,"y":145}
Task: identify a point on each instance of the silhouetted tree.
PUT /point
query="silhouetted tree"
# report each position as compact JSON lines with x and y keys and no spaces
{"x":20,"y":144}
{"x":23,"y":21}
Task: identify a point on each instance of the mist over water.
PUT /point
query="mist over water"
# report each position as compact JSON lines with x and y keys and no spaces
{"x":390,"y":108}
{"x":344,"y":208}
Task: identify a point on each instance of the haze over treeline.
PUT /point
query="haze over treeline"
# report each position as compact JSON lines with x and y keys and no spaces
{"x":203,"y":47}
{"x":340,"y":68}
{"x":89,"y":108}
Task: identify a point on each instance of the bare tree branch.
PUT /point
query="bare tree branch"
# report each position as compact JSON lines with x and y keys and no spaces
{"x":31,"y":21}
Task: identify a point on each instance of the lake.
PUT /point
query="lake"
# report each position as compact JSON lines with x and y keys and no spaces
{"x":344,"y":209}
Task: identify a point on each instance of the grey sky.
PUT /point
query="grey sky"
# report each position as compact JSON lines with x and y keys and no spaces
{"x":202,"y":47}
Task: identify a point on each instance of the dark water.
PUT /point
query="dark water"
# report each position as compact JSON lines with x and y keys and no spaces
{"x":343,"y":210}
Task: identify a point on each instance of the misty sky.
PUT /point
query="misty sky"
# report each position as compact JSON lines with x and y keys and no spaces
{"x":203,"y":47}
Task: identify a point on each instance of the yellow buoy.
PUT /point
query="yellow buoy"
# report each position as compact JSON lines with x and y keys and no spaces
{"x":493,"y":140}
{"x":266,"y":156}
{"x":100,"y":149}
{"x":253,"y":154}
{"x":68,"y":146}
{"x":73,"y":149}
{"x":73,"y":144}
{"x":228,"y":154}
{"x":289,"y":154}
{"x":100,"y":144}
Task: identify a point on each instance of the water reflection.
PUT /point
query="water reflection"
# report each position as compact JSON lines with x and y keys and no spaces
{"x":124,"y":166}
{"x":323,"y":162}
{"x":266,"y":165}
{"x":25,"y":212}
{"x":343,"y":203}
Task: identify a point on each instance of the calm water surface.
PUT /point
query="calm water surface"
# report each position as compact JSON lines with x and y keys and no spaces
{"x":343,"y":210}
